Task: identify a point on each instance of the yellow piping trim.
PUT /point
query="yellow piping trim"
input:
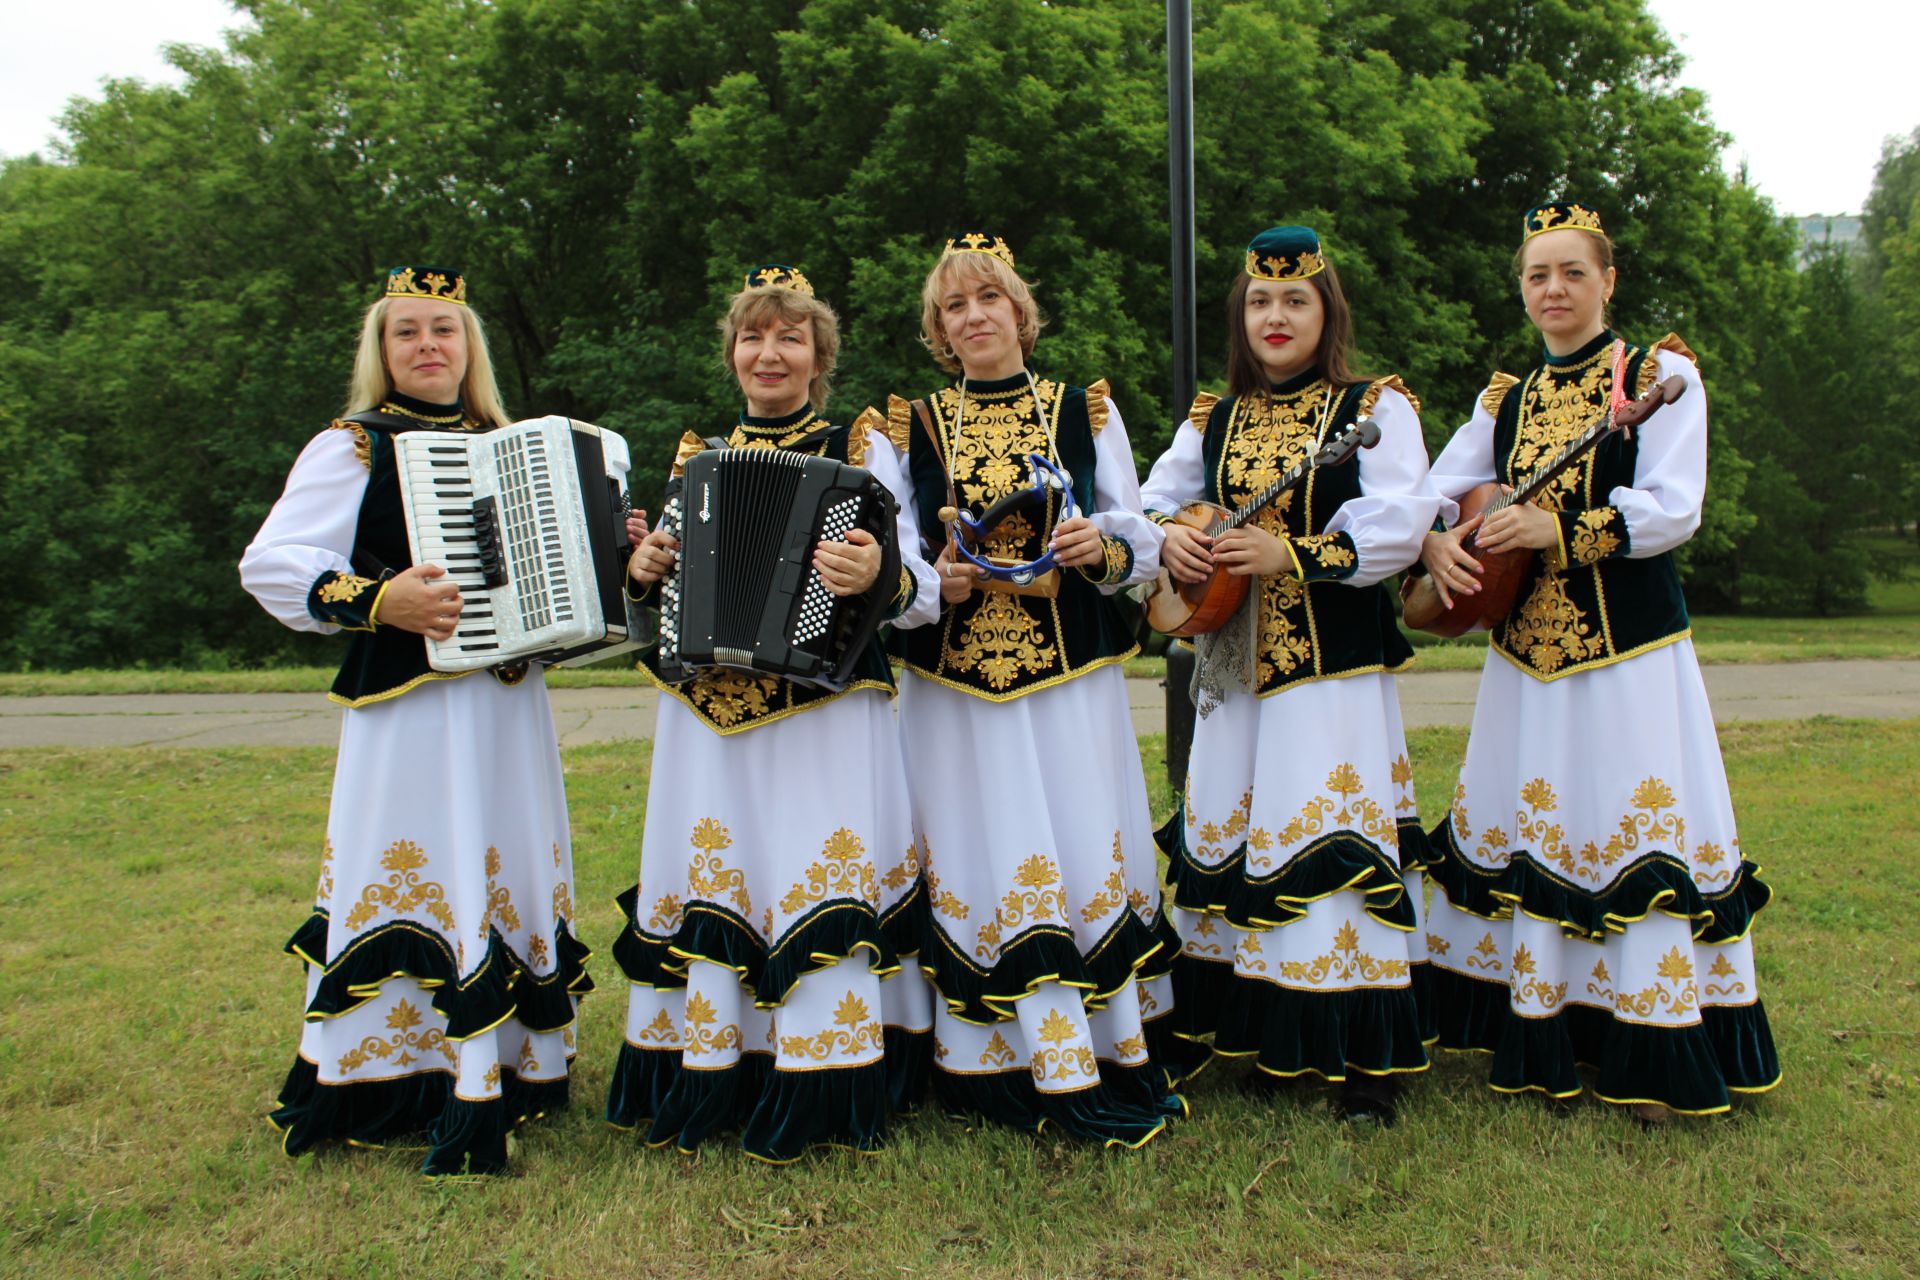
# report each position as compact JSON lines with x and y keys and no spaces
{"x":373,"y":610}
{"x":1378,"y":668}
{"x":371,"y":698}
{"x":673,"y":691}
{"x":1661,"y":643}
{"x":1049,"y":682}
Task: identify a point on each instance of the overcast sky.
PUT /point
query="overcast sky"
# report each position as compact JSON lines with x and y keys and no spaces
{"x":1807,"y":90}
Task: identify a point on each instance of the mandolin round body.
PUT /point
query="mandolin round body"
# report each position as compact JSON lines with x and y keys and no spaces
{"x":1502,"y":573}
{"x":1195,"y":608}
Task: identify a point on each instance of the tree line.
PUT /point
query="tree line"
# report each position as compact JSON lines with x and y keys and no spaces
{"x":180,"y":281}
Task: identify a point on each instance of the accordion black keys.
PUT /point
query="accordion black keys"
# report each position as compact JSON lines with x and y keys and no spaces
{"x":743,"y":591}
{"x":529,"y":521}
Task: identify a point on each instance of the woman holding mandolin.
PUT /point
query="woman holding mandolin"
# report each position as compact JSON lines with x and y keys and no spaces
{"x":1047,"y":939}
{"x":1295,"y":852}
{"x":1591,"y":903}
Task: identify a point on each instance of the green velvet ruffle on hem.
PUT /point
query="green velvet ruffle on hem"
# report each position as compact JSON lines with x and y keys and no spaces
{"x":1655,"y":881}
{"x":463,"y":1137}
{"x":1130,"y":949}
{"x":1690,"y":1069}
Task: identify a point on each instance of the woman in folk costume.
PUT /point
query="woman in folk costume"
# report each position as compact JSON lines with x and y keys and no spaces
{"x":442,"y":970}
{"x":1591,"y":903}
{"x":779,"y":879}
{"x":1047,"y":942}
{"x":1296,"y":852}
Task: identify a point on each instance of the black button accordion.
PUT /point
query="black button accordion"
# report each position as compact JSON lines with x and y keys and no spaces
{"x":743,"y":591}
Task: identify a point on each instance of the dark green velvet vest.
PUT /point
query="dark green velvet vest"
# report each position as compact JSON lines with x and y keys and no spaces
{"x":1312,"y":627}
{"x":994,"y":644}
{"x":382,"y":662}
{"x":1586,"y":603}
{"x":730,"y":701}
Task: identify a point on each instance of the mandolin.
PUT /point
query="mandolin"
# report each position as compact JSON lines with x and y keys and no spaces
{"x":1195,"y":608}
{"x":1504,"y":572}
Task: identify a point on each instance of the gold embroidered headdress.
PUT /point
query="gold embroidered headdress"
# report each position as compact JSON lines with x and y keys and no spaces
{"x":778,"y":275}
{"x":1285,"y":253}
{"x":980,"y":242}
{"x":1558,"y":215}
{"x":443,"y":284}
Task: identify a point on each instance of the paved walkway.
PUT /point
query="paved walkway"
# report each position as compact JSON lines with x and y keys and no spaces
{"x":1779,"y":691}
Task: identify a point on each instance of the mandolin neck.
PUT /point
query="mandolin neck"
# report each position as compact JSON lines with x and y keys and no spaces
{"x":1251,"y":507}
{"x":1544,"y":475}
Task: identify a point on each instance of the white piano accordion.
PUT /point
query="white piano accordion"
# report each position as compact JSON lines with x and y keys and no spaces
{"x":529,"y":521}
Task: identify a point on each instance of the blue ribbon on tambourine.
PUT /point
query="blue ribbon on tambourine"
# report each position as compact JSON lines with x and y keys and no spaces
{"x":1047,"y":479}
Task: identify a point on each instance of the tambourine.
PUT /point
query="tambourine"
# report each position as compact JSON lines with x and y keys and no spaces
{"x":1047,"y":479}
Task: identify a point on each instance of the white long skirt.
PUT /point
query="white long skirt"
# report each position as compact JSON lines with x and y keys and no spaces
{"x":772,"y":937}
{"x":442,"y":969}
{"x":1047,"y":941}
{"x":1592,"y":905}
{"x":1297,"y":905}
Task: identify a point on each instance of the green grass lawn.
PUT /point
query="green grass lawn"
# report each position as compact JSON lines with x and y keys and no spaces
{"x":147,"y":1016}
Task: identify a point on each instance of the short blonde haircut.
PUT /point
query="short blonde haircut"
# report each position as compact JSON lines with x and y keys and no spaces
{"x":754,"y":309}
{"x":372,"y":383}
{"x":977,"y":267}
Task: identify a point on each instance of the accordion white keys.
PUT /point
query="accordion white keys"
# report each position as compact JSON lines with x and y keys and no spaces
{"x":743,"y":591}
{"x":529,"y":521}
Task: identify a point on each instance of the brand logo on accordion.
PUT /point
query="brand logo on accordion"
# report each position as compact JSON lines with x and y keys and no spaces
{"x":706,"y":503}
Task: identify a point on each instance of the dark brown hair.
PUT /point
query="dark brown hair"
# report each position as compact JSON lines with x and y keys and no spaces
{"x":1333,"y":357}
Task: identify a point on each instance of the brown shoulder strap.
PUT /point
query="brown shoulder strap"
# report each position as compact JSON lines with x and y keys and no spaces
{"x":925,"y":414}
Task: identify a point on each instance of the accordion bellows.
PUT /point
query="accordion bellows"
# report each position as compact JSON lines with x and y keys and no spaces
{"x":744,"y":593}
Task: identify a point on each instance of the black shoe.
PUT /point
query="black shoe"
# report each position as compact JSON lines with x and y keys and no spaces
{"x":1364,"y":1097}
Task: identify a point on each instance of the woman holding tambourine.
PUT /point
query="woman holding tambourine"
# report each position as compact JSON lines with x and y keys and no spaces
{"x":1591,"y":903}
{"x":1047,"y":943}
{"x":1295,"y":852}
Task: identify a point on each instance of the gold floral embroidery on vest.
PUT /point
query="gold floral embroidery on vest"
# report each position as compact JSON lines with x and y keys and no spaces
{"x":1593,"y":540}
{"x":662,"y":1031}
{"x":1113,"y":890}
{"x":344,"y":589}
{"x":1548,"y":996}
{"x":500,"y":910}
{"x":843,"y":870}
{"x":1673,"y":993}
{"x":1555,"y":410}
{"x":853,"y":1030}
{"x":989,"y":460}
{"x":403,"y":891}
{"x":729,"y":697}
{"x":1067,"y":1061}
{"x":1001,"y":640}
{"x":1345,"y":963}
{"x":1266,"y":436}
{"x":1721,"y":969}
{"x":1036,"y":898}
{"x":399,"y":1049}
{"x":708,"y":876}
{"x":998,"y":1052}
{"x":1549,"y":630}
{"x":1283,"y":631}
{"x":703,"y":1035}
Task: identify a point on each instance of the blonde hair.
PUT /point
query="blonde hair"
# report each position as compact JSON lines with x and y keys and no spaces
{"x":980,"y":267}
{"x":372,"y":383}
{"x":753,"y":309}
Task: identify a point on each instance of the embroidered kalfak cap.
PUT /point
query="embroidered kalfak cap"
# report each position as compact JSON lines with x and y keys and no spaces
{"x":1285,"y":253}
